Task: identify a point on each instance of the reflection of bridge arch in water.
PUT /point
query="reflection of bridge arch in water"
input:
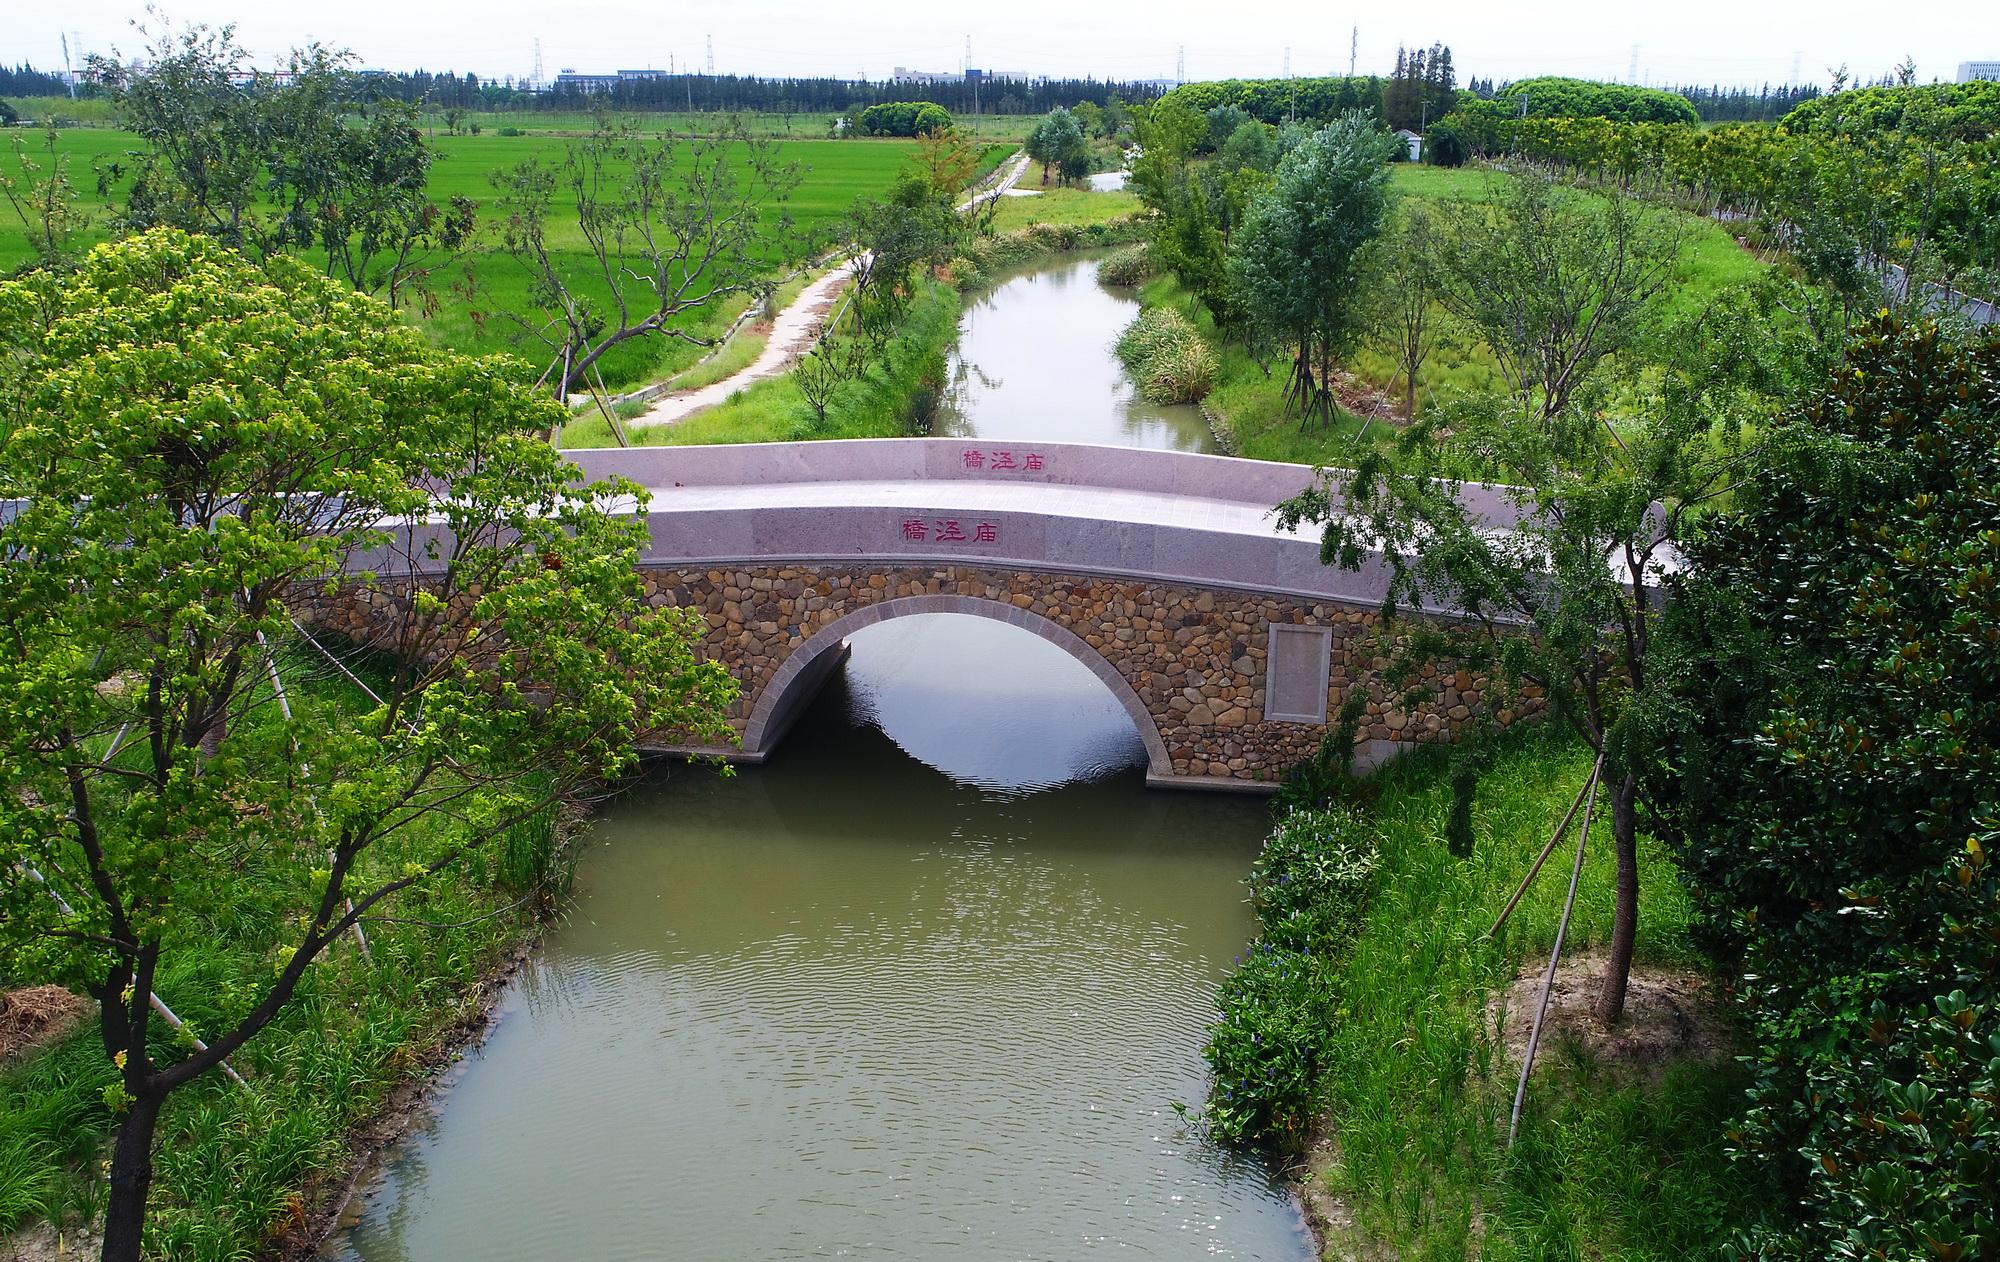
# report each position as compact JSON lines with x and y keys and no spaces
{"x":787,"y":693}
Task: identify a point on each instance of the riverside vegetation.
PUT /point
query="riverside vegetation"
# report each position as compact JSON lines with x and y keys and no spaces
{"x":1763,"y":425}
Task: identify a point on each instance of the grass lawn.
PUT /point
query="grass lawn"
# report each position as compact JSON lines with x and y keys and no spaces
{"x":1416,"y":1093}
{"x":1076,"y":206}
{"x":833,"y":174}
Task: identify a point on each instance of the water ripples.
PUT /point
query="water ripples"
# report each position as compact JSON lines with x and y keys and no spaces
{"x":848,"y":1005}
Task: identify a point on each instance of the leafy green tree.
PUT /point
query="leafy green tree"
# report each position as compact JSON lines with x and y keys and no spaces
{"x":1089,"y":117}
{"x":895,"y":240}
{"x":1553,"y":537}
{"x":669,"y":225}
{"x":201,"y":448}
{"x":1830,"y":763}
{"x":1056,"y":141}
{"x":1297,"y":259}
{"x":1224,"y":121}
{"x":1554,"y":279}
{"x":904,"y":118}
{"x":317,"y":162}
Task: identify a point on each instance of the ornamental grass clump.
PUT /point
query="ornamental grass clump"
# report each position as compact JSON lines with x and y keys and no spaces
{"x":1267,"y":1052}
{"x":1168,"y":357}
{"x":1130,"y":266}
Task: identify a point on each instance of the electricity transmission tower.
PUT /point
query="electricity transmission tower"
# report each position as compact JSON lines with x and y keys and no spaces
{"x":1180,"y":66}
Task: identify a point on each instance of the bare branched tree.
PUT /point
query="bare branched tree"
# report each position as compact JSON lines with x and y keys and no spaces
{"x":663,"y":226}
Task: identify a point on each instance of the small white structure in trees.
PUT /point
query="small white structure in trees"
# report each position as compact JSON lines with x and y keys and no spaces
{"x":1413,"y":142}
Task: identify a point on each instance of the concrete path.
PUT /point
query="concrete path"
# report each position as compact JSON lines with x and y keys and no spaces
{"x":793,"y":331}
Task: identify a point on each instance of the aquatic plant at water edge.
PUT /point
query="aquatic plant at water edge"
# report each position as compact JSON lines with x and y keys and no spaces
{"x":1168,"y":357}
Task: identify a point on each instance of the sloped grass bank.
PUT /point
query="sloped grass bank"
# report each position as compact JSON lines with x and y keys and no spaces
{"x":1413,"y":1091}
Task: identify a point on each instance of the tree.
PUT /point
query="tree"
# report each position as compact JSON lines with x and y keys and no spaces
{"x":1056,"y":141}
{"x":1553,"y":537}
{"x":1090,"y":118}
{"x":948,"y":161}
{"x":1829,"y":758}
{"x":317,"y":162}
{"x":893,"y":240}
{"x":1296,"y":260}
{"x":1555,"y":279}
{"x":43,"y":199}
{"x":1402,"y":283}
{"x":670,"y":225}
{"x":179,"y":514}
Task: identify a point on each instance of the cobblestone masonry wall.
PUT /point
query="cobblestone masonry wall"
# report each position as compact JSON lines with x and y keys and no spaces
{"x":1193,"y":657}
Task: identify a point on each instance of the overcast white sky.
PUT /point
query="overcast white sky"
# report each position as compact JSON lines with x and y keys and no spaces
{"x":1702,"y":41}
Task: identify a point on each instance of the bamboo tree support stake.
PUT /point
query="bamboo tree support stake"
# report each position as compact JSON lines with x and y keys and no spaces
{"x":285,"y":708}
{"x":158,"y":1004}
{"x":1555,"y":957}
{"x":1555,"y":839}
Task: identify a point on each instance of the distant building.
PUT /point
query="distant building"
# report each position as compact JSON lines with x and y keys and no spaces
{"x":904,"y":74}
{"x":567,"y":78}
{"x":643,"y":74}
{"x":1160,"y":85}
{"x":1413,"y":142}
{"x":1970,"y":70}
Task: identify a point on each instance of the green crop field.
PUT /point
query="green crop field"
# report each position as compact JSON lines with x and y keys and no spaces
{"x":832,"y":175}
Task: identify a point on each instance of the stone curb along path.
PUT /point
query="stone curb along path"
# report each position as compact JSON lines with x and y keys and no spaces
{"x":793,"y":331}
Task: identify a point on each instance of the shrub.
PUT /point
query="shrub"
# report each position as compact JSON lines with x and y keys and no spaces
{"x":1130,"y":266}
{"x":509,"y":131}
{"x":1308,"y":883}
{"x":1168,"y":357}
{"x":1267,"y":1051}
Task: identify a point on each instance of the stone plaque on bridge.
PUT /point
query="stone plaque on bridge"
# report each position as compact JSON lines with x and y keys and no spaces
{"x":1297,"y":670}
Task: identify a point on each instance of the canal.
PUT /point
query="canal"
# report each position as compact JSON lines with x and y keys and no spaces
{"x":931,"y":982}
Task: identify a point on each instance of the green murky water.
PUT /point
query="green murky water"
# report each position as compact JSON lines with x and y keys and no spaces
{"x":927,"y":984}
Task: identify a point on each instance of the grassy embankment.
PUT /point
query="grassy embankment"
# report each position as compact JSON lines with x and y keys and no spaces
{"x":1416,"y":1093}
{"x":231,"y":1161}
{"x":833,"y":174}
{"x":1250,"y":400}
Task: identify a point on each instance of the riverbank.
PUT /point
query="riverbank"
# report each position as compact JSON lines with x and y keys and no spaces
{"x":897,"y":392}
{"x":1412,"y":1028}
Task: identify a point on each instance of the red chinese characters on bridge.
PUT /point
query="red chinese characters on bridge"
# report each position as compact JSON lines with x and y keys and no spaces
{"x":1005,"y":460}
{"x":948,"y":530}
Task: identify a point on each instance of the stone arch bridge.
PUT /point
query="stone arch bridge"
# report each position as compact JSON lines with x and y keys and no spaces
{"x":1165,"y":573}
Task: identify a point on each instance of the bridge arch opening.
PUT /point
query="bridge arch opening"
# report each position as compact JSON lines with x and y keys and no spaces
{"x":802,"y":675}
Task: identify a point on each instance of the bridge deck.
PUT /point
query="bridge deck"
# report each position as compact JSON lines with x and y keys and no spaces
{"x":1172,"y":517}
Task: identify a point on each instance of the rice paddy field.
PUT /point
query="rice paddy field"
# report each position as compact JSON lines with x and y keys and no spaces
{"x":478,"y":319}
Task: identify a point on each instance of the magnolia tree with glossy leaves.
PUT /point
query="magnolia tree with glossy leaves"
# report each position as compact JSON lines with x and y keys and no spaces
{"x":195,"y":445}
